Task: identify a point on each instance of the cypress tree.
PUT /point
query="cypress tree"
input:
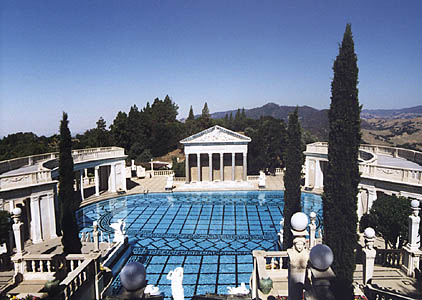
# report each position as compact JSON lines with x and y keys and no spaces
{"x":68,"y":205}
{"x":292,"y":177}
{"x":342,"y":175}
{"x":191,"y":115}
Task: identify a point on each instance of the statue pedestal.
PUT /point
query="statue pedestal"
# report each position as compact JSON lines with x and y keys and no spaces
{"x":411,"y":258}
{"x":368,"y":264}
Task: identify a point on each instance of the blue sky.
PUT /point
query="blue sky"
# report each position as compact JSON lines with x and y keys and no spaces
{"x":94,"y":58}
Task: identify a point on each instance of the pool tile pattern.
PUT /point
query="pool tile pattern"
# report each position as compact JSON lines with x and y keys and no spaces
{"x":210,"y":234}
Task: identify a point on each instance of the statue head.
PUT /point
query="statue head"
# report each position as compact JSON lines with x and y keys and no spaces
{"x":299,"y":244}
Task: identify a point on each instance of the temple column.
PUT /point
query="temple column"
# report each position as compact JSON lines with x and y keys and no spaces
{"x":113,"y":178}
{"x":36,"y":220}
{"x":245,"y":166}
{"x":81,"y":185}
{"x":123,"y":176}
{"x":198,"y":159}
{"x":221,"y":167}
{"x":233,"y":164}
{"x":97,"y":181}
{"x":187,"y":179}
{"x":210,"y":165}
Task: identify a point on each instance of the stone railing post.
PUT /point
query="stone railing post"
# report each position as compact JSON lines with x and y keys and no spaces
{"x":298,"y":256}
{"x":412,"y":253}
{"x":369,"y":254}
{"x":321,"y":258}
{"x":17,"y":230}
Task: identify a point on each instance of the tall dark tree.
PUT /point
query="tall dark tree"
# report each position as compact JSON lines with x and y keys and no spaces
{"x":342,"y":176}
{"x":68,"y":204}
{"x":102,"y":135}
{"x":292,"y":177}
{"x":191,"y":115}
{"x":205,"y":118}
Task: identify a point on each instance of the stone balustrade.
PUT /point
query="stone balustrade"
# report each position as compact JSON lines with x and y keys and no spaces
{"x":38,"y":266}
{"x":77,"y":277}
{"x":253,"y":177}
{"x":163,"y":173}
{"x":46,"y":163}
{"x":27,"y":179}
{"x":269,"y":264}
{"x":391,"y":174}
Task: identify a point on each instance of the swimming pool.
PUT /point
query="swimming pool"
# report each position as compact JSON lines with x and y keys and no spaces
{"x":210,"y":234}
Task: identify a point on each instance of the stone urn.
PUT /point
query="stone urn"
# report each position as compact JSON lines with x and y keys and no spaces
{"x":265,"y":285}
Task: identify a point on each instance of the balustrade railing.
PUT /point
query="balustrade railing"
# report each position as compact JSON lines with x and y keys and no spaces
{"x":13,"y":181}
{"x":269,"y":264}
{"x":179,"y":178}
{"x":253,"y":177}
{"x":77,"y":277}
{"x":389,"y":257}
{"x":163,"y":172}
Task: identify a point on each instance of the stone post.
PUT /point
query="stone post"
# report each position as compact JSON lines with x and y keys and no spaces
{"x":298,"y":257}
{"x":369,"y":254}
{"x":414,"y":220}
{"x":412,"y":253}
{"x":245,"y":166}
{"x":312,"y":230}
{"x":95,"y":237}
{"x":321,"y":258}
{"x":17,"y":231}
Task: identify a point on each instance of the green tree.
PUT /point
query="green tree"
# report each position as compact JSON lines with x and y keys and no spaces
{"x":102,"y":134}
{"x":293,"y":176}
{"x":119,"y":131}
{"x":389,"y":217}
{"x":68,"y":204}
{"x":205,"y":120}
{"x":342,"y":176}
{"x":191,"y":116}
{"x":178,"y":167}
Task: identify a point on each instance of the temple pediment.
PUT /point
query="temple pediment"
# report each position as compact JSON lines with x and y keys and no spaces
{"x":216,"y":134}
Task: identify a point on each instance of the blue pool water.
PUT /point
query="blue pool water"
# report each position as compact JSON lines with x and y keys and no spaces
{"x":210,"y":234}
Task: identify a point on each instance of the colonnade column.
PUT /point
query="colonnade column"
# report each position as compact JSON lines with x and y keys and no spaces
{"x":97,"y":181}
{"x":221,"y":167}
{"x":113,"y":178}
{"x":123,"y":174}
{"x":51,"y":215}
{"x":198,"y":159}
{"x":245,"y":166}
{"x":81,"y":185}
{"x":210,"y":165}
{"x":36,"y":220}
{"x":187,"y":168}
{"x":233,"y":164}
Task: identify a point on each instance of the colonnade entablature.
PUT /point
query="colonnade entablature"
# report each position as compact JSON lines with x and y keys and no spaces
{"x":216,"y":154}
{"x":30,"y":183}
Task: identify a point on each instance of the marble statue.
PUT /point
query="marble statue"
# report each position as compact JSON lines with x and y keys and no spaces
{"x":119,"y":230}
{"x":176,"y":277}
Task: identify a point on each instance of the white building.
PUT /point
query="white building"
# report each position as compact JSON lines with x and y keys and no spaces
{"x":216,"y":154}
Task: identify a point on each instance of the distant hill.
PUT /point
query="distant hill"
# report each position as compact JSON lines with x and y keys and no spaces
{"x":375,"y":124}
{"x":403,"y":113}
{"x":313,"y":120}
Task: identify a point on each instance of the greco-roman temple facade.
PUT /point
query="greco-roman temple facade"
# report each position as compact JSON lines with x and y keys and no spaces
{"x":215,"y":155}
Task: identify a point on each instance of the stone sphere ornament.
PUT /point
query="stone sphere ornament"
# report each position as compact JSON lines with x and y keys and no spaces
{"x":133,"y":276}
{"x":369,"y":233}
{"x":414,"y":203}
{"x":321,"y":257}
{"x":17,"y":211}
{"x":299,"y":221}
